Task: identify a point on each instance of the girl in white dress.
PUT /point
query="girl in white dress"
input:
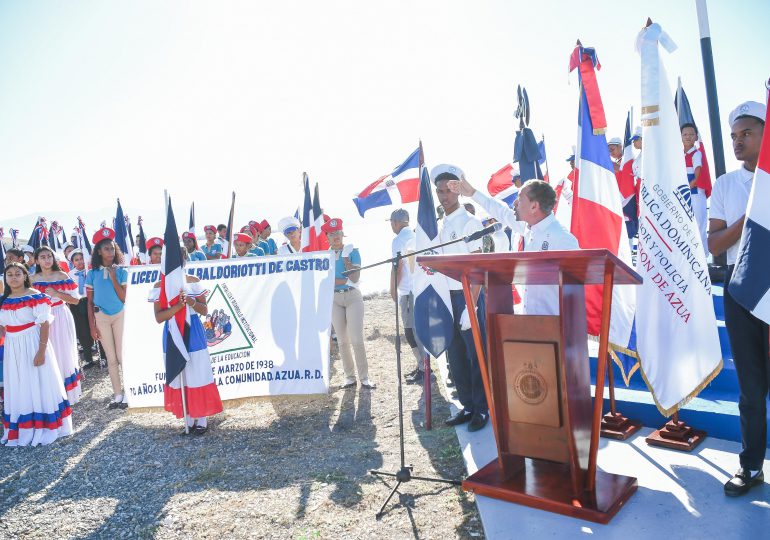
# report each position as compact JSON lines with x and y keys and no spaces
{"x":50,"y":280}
{"x":36,"y":406}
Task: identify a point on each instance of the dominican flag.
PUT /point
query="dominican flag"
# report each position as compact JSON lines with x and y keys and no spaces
{"x":543,"y":161}
{"x":191,"y":227}
{"x":501,"y":186}
{"x":676,"y":329}
{"x":597,"y":212}
{"x":626,"y":181}
{"x":312,"y":220}
{"x":433,"y":319}
{"x":399,"y":187}
{"x":82,"y":240}
{"x":39,"y":235}
{"x":122,"y":238}
{"x":2,"y":250}
{"x":318,"y":220}
{"x":682,"y":105}
{"x":172,"y":279}
{"x":14,"y":238}
{"x":53,"y":236}
{"x":750,"y":284}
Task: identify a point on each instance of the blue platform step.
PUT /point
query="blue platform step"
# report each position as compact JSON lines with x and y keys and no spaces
{"x":714,"y":410}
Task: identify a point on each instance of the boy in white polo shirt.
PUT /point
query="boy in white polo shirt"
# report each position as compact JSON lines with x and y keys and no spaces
{"x":748,"y":334}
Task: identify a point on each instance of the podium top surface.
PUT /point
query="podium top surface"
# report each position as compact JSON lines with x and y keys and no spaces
{"x":534,"y":267}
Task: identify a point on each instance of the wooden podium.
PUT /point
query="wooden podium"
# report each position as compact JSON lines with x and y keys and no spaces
{"x":537,"y":382}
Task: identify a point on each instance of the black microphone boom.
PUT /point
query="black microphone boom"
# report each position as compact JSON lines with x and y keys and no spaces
{"x":483,"y":232}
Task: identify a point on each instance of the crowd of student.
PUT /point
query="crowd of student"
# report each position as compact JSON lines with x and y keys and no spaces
{"x":61,"y":312}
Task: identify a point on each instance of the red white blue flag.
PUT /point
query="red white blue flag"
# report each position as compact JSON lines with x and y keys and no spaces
{"x":433,"y":319}
{"x":399,"y":187}
{"x":750,"y":284}
{"x":172,"y":281}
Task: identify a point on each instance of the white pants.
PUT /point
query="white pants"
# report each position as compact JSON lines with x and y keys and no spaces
{"x":698,"y":202}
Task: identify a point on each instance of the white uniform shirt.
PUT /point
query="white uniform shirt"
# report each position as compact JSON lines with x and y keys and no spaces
{"x":286,"y":249}
{"x":502,"y":243}
{"x":456,"y":225}
{"x":547,"y":235}
{"x":222,"y":242}
{"x":729,"y":199}
{"x":404,"y":243}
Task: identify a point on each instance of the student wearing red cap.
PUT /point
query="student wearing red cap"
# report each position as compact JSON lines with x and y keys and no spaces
{"x":211,"y":249}
{"x":267,"y":244}
{"x":106,"y":291}
{"x":191,"y":247}
{"x":348,"y":307}
{"x":154,"y":249}
{"x":241,"y":244}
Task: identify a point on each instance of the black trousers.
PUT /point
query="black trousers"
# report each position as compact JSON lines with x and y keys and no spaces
{"x":751,"y":355}
{"x":464,"y":363}
{"x":82,"y":328}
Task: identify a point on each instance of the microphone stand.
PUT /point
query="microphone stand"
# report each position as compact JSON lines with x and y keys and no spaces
{"x":404,"y":474}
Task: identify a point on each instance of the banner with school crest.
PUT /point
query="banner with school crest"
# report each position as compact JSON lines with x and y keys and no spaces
{"x":267,"y":327}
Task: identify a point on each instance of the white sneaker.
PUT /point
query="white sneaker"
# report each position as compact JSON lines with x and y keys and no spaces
{"x":349,"y":383}
{"x":366,"y":383}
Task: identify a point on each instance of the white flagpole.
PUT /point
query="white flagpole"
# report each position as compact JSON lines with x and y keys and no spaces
{"x":181,"y":375}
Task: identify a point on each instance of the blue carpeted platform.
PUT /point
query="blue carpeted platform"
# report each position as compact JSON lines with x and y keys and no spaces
{"x":715,"y":410}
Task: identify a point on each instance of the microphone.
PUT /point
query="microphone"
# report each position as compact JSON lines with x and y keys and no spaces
{"x":483,"y":232}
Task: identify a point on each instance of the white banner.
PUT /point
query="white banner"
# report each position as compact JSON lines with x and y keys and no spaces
{"x":267,"y":327}
{"x":677,"y":337}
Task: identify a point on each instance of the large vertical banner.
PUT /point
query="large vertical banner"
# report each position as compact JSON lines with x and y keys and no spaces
{"x":267,"y":327}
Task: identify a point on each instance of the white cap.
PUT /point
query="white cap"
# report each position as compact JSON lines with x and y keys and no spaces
{"x":749,"y":108}
{"x":27,"y":249}
{"x":615,"y":140}
{"x":74,"y":252}
{"x":446,"y":168}
{"x":288,"y":223}
{"x":637,"y":133}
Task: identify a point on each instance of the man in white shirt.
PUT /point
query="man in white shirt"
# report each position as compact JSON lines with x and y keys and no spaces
{"x":461,"y":354}
{"x":401,"y":288}
{"x":532,"y":218}
{"x":748,"y":334}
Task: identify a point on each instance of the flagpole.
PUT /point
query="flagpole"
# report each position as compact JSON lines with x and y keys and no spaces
{"x":711,"y":88}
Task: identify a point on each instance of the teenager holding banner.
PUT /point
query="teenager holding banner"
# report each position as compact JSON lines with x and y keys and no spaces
{"x":200,"y":392}
{"x":106,"y":291}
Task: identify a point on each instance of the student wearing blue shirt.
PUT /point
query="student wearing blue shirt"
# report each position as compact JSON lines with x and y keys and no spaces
{"x":191,"y":247}
{"x":106,"y":291}
{"x":211,"y":249}
{"x":348,"y":307}
{"x":267,"y":244}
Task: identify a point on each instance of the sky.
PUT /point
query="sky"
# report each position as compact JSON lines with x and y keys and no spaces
{"x":107,"y":100}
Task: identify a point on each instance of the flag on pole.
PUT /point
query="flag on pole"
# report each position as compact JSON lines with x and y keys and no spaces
{"x":677,"y":339}
{"x":82,"y":240}
{"x":543,"y":160}
{"x":501,"y":186}
{"x":53,"y":236}
{"x":597,"y":213}
{"x":682,"y":105}
{"x":626,"y":181}
{"x":750,"y":283}
{"x":433,"y":319}
{"x":309,"y":240}
{"x":130,"y":241}
{"x":172,"y":279}
{"x":39,"y":236}
{"x":401,"y":186}
{"x":2,"y":250}
{"x":191,"y":227}
{"x":322,"y":243}
{"x":142,"y":255}
{"x":14,"y":238}
{"x":121,"y":232}
{"x":228,"y":249}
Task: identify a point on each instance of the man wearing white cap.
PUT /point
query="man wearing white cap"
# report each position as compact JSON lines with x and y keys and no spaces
{"x":636,"y":167}
{"x":748,"y":334}
{"x":615,"y":146}
{"x":461,"y":354}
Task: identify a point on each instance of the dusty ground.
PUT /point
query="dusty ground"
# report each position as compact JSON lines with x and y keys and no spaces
{"x":287,"y":468}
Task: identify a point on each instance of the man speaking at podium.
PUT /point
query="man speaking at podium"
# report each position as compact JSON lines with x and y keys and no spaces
{"x":532,"y":217}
